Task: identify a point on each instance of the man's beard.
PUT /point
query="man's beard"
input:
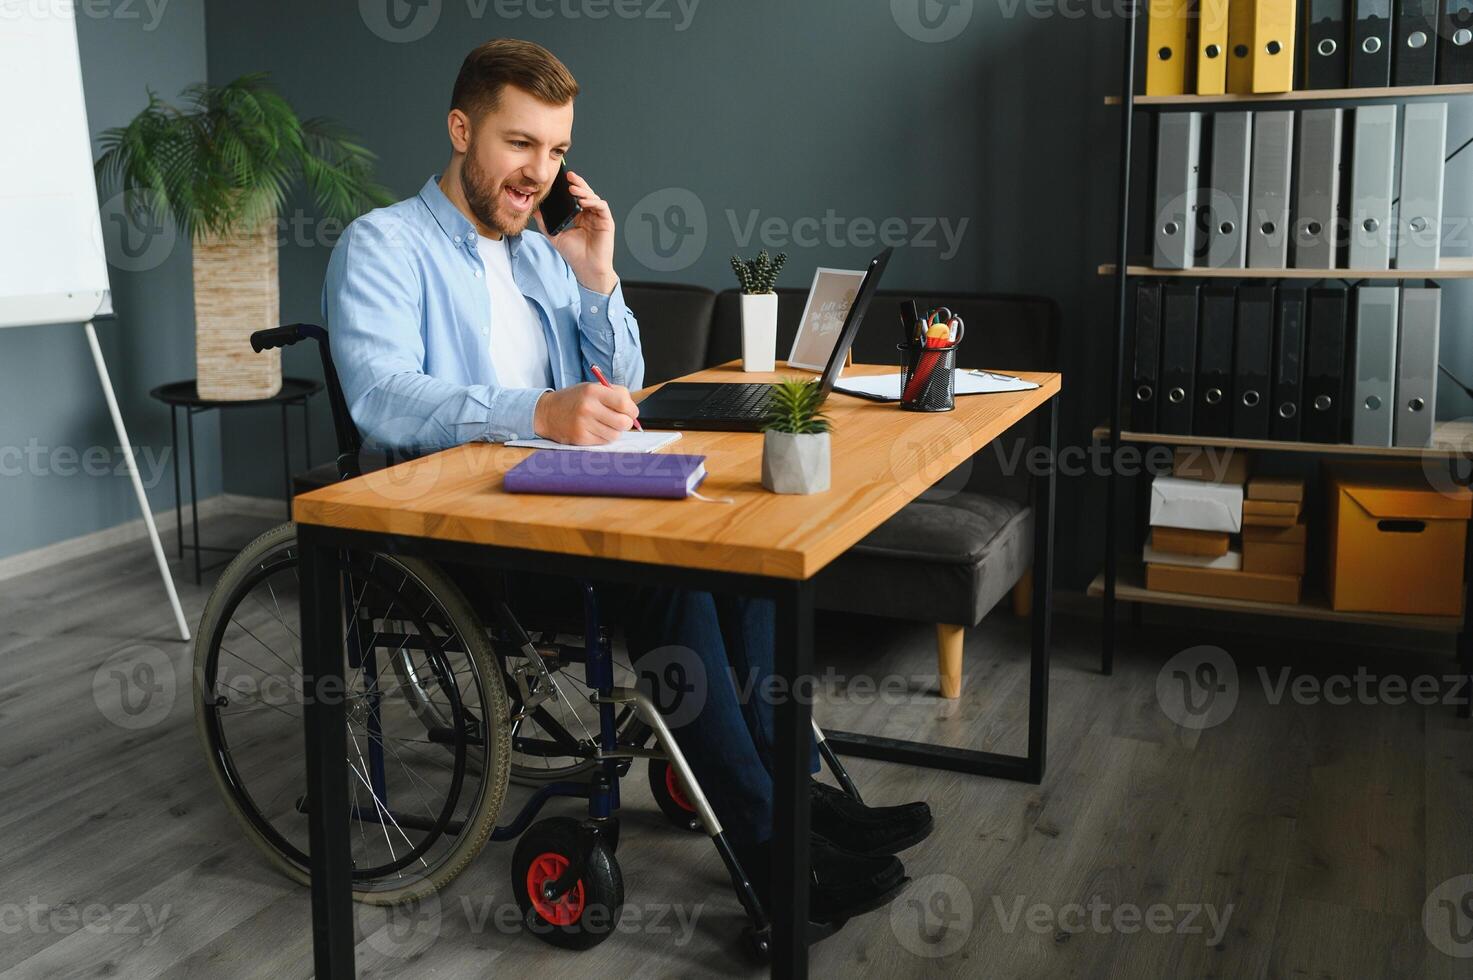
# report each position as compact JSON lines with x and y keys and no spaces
{"x":484,"y":200}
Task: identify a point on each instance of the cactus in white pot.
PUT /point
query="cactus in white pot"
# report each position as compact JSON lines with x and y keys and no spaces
{"x":795,"y":439}
{"x":759,"y":308}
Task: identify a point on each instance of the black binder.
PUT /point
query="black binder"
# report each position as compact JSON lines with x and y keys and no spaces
{"x":1284,"y":422}
{"x":1253,"y":347}
{"x":1213,"y":415}
{"x":1325,"y":387}
{"x":1370,"y":44}
{"x":1455,"y":43}
{"x":1326,"y":44}
{"x":1178,"y":359}
{"x":1414,"y":61}
{"x":1143,"y":387}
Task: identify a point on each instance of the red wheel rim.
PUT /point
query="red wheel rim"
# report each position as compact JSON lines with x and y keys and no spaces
{"x":547,"y":867}
{"x":676,"y":791}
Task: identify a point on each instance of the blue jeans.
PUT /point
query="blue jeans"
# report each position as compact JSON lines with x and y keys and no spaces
{"x":707,"y":662}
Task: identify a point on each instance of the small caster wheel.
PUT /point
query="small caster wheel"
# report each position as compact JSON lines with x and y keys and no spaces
{"x":585,"y":914}
{"x":670,"y":795}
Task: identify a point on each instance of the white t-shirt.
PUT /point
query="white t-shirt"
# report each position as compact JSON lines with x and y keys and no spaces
{"x":518,"y":348}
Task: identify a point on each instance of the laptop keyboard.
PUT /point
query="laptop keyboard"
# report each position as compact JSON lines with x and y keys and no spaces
{"x":735,"y":401}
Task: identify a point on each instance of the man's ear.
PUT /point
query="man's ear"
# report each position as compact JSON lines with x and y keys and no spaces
{"x":459,"y":126}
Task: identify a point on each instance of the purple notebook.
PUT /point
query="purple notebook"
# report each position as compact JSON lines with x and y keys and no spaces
{"x":604,"y":474}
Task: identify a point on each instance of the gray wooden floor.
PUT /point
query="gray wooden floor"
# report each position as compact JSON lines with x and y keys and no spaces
{"x":1295,"y":838}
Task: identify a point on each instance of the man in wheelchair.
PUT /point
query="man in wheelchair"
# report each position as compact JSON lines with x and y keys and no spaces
{"x":453,"y":320}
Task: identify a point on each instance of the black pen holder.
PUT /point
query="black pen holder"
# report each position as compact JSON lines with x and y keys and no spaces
{"x":927,"y":378}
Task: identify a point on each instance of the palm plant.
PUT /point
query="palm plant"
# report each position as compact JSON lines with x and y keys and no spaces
{"x":793,"y":407}
{"x":221,"y":168}
{"x":226,"y":161}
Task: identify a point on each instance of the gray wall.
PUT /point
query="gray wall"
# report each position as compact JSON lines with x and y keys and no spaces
{"x":776,"y":109}
{"x":54,"y":406}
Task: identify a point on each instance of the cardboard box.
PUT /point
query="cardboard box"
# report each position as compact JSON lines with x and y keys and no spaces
{"x":1196,"y":505}
{"x":1276,"y":488}
{"x":1277,"y":551}
{"x":1270,"y":513}
{"x":1231,"y":561}
{"x":1213,"y":464}
{"x":1181,"y":541}
{"x":1224,"y":585}
{"x":1395,"y":544}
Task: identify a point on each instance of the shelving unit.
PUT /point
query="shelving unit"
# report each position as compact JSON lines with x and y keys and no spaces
{"x":1451,"y":268}
{"x":1300,"y":95}
{"x":1452,"y":441}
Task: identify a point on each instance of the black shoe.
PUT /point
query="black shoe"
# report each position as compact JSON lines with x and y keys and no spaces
{"x":869,"y":830}
{"x":841,"y":884}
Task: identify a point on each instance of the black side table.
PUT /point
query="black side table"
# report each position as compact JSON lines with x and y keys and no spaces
{"x":185,"y":395}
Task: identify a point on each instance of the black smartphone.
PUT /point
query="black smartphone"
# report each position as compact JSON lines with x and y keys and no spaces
{"x":559,"y":208}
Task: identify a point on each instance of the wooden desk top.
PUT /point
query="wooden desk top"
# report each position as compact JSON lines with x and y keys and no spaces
{"x":882,"y":459}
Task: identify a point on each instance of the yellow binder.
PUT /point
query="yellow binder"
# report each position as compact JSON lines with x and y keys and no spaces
{"x":1261,"y":45}
{"x":1168,"y":47}
{"x":1242,"y":31}
{"x":1273,"y":62}
{"x":1212,"y":47}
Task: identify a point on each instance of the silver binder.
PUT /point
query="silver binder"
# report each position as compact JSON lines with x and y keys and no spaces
{"x":1372,"y":157}
{"x":1416,"y":364}
{"x":1268,"y":190}
{"x":1419,"y":224}
{"x":1317,"y":199}
{"x":1227,"y":197}
{"x":1375,"y":364}
{"x":1178,"y":148}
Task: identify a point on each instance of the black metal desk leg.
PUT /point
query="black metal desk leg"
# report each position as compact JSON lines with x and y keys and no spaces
{"x":794,"y":666}
{"x":1043,"y":597}
{"x":178,"y":504}
{"x":325,"y":720}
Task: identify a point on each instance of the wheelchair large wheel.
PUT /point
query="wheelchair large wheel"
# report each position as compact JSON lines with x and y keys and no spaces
{"x":423,"y":799}
{"x":542,"y":740}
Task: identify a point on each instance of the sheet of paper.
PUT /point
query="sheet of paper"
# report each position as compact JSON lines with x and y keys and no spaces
{"x":967,"y":383}
{"x":628,"y":442}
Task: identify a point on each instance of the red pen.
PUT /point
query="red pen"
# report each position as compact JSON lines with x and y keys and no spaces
{"x":605,"y":382}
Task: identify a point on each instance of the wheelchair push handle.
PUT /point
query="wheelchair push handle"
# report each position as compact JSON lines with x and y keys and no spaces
{"x":285,"y":336}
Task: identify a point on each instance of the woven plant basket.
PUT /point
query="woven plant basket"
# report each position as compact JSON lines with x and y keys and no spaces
{"x":236,"y":293}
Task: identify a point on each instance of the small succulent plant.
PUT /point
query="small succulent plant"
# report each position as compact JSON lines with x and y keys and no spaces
{"x":758,"y":275}
{"x":793,"y":407}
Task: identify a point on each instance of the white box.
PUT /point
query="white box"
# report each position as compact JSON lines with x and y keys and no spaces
{"x":1196,"y":505}
{"x":1231,"y":561}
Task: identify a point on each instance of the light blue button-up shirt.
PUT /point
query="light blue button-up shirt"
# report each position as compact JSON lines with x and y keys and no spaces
{"x":407,"y":311}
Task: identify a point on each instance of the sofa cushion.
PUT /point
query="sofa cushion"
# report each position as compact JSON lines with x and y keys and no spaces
{"x":957,"y":557}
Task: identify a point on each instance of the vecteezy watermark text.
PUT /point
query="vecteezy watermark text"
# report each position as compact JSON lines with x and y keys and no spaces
{"x":128,"y":919}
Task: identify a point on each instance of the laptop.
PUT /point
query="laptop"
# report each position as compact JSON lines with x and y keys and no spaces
{"x":742,"y":406}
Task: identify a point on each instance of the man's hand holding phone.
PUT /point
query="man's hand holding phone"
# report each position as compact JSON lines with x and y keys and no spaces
{"x":587,"y":244}
{"x":586,"y":414}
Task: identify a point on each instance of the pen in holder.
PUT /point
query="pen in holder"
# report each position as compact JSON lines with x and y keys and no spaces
{"x":928,"y":358}
{"x":927,"y":378}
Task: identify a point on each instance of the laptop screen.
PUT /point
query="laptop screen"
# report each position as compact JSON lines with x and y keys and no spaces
{"x":852,"y":321}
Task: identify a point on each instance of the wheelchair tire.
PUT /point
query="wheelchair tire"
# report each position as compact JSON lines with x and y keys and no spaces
{"x":669,"y":794}
{"x":457,"y":831}
{"x":588,"y":912}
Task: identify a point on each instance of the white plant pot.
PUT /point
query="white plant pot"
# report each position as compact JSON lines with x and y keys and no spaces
{"x":795,"y":463}
{"x":759,"y":331}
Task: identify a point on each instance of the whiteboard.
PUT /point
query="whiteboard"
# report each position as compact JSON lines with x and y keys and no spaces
{"x":53,"y":267}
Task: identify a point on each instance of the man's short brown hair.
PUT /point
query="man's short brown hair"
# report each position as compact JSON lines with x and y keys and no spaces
{"x":506,"y":61}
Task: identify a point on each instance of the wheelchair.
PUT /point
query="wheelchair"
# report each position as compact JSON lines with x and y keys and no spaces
{"x":448,"y":703}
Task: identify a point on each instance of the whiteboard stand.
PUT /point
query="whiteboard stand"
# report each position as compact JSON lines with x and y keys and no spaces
{"x":122,"y":432}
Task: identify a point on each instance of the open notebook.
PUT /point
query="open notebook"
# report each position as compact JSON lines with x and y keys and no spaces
{"x":628,"y":442}
{"x":886,"y":387}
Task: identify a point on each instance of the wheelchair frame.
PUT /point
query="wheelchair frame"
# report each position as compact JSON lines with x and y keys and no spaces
{"x":601,"y":787}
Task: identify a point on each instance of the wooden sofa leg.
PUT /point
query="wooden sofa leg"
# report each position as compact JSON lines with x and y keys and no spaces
{"x":949,"y":658}
{"x":1023,"y":595}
